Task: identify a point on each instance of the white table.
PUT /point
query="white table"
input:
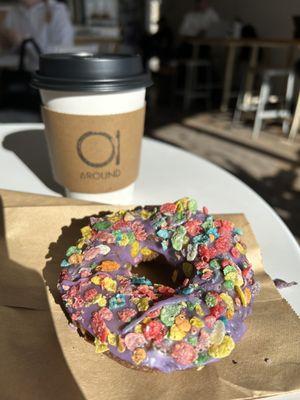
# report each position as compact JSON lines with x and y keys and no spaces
{"x":167,"y":173}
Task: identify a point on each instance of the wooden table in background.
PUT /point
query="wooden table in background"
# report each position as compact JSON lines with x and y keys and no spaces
{"x":291,"y":45}
{"x":112,"y":43}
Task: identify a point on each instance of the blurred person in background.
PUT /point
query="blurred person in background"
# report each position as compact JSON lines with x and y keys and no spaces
{"x":103,"y":9}
{"x":196,"y":23}
{"x":47,"y":22}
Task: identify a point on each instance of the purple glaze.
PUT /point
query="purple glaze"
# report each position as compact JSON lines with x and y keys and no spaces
{"x":78,"y":276}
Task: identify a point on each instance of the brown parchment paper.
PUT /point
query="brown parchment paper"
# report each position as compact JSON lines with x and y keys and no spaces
{"x":43,"y":358}
{"x":94,"y":153}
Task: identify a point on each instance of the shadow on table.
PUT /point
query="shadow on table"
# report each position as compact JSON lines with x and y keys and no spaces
{"x":280,"y":190}
{"x":279,"y":187}
{"x":33,"y":365}
{"x":31,"y":147}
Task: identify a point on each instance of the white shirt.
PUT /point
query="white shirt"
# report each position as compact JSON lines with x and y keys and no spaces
{"x":103,"y":7}
{"x":31,"y":23}
{"x":195,"y":22}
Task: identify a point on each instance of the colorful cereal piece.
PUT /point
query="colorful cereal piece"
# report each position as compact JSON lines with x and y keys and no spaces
{"x":100,"y":347}
{"x":109,"y":266}
{"x":86,"y":232}
{"x":109,"y":284}
{"x":248,"y":295}
{"x":182,"y":323}
{"x":143,"y":304}
{"x":154,"y":330}
{"x":222,"y":350}
{"x":134,"y":340}
{"x":197,"y":322}
{"x":121,"y":344}
{"x":104,"y":249}
{"x":127,"y":314}
{"x":135,"y":247}
{"x":187,"y":269}
{"x":138,"y":356}
{"x":102,"y":225}
{"x":100,"y":300}
{"x":147,"y":252}
{"x":218,"y":333}
{"x":168,"y":314}
{"x":112,"y":339}
{"x":117,"y":301}
{"x":241,"y":295}
{"x":242,"y":249}
{"x":176,"y":333}
{"x":184,"y":353}
{"x":75,"y":258}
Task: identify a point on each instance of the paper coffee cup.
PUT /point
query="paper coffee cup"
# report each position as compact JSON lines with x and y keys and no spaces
{"x":93,"y":109}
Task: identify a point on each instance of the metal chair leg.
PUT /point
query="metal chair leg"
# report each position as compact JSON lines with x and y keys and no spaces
{"x":285,"y":126}
{"x":263,"y":100}
{"x":290,"y":89}
{"x":296,"y":121}
{"x":288,"y":100}
{"x":237,"y":112}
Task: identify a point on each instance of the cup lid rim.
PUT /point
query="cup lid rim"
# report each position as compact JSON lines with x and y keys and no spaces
{"x":88,"y":72}
{"x":41,"y":82}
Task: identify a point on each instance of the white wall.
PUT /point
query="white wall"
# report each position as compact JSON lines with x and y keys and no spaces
{"x":271,"y":18}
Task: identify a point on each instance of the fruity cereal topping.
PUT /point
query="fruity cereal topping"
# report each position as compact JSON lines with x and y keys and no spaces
{"x":143,"y":322}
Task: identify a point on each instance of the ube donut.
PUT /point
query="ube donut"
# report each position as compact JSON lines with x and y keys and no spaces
{"x":146,"y":324}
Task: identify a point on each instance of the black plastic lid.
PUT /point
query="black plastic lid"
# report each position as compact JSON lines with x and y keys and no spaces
{"x":90,"y":72}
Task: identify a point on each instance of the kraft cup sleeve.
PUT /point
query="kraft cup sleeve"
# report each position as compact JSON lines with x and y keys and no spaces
{"x":94,"y":153}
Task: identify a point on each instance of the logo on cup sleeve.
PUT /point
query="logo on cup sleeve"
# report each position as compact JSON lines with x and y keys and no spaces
{"x":113,"y":142}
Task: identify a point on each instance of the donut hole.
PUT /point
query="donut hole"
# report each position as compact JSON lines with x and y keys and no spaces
{"x":160,"y":271}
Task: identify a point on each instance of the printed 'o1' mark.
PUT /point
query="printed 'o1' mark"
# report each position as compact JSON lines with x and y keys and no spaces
{"x":104,"y":135}
{"x":118,"y":147}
